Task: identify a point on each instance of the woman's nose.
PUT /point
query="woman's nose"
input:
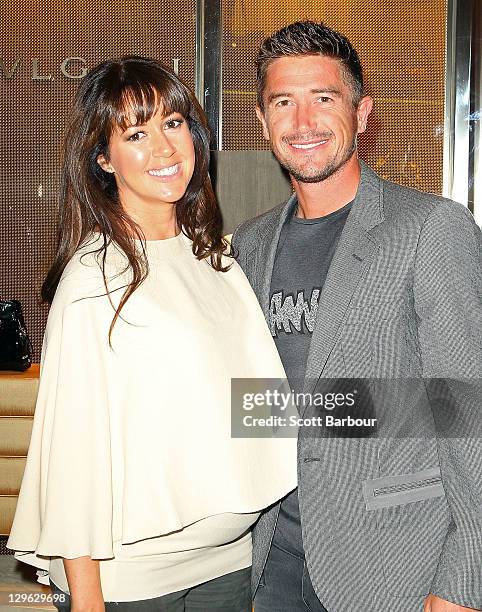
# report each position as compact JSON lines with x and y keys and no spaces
{"x":162,"y":146}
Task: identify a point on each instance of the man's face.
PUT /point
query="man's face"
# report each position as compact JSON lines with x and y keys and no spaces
{"x":309,"y":116}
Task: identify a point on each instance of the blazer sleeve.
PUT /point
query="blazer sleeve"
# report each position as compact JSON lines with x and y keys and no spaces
{"x":448,"y":302}
{"x":237,"y":244}
{"x":236,"y":237}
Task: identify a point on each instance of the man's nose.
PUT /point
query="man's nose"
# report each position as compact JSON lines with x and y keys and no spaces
{"x":304,"y":117}
{"x":162,"y":146}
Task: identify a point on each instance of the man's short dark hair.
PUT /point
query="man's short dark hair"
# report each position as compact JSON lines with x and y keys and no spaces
{"x":309,"y":38}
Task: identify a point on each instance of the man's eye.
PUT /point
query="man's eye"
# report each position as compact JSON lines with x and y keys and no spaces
{"x":324,"y":99}
{"x":173,"y":124}
{"x":283,"y":102}
{"x":137,"y":136}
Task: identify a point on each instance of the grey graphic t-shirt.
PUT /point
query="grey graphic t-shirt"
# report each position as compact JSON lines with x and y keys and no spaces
{"x":305,"y":250}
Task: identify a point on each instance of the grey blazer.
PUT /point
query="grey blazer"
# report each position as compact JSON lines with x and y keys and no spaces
{"x":387,"y":520}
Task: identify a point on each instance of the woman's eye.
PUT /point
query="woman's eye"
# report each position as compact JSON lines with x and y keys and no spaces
{"x":173,"y":123}
{"x":137,"y":136}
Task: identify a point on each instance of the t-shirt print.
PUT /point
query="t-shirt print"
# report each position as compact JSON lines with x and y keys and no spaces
{"x":289,"y":315}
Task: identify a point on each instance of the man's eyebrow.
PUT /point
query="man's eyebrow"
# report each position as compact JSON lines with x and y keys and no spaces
{"x":321,"y":90}
{"x":327,"y":90}
{"x":278,"y":94}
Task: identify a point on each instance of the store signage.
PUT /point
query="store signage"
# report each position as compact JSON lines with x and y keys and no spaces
{"x":70,"y":68}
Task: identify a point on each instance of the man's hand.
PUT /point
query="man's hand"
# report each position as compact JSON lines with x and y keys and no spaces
{"x":435,"y":604}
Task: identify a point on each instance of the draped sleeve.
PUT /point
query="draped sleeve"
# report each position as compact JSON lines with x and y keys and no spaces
{"x":65,"y":503}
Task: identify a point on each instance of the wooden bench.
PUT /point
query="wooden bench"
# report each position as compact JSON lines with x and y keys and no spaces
{"x":18,"y":394}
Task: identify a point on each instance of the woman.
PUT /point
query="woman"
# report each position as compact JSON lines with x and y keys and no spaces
{"x":135,"y":494}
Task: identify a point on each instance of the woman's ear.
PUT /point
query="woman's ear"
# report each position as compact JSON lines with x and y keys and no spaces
{"x":104,"y":164}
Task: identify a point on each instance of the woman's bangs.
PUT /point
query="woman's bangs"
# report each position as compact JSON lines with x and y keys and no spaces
{"x":140,"y":102}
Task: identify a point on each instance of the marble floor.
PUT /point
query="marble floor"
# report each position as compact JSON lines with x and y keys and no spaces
{"x":18,"y":578}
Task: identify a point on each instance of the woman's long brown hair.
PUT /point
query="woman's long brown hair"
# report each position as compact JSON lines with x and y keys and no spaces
{"x":106,"y":100}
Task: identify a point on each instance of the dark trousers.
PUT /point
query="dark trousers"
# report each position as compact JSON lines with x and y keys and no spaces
{"x":285,"y":585}
{"x":229,"y":593}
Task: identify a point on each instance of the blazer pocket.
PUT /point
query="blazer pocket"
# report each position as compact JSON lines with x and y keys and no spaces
{"x":402,"y":489}
{"x":410,"y":535}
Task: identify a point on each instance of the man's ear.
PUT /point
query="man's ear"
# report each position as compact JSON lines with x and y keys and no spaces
{"x":104,"y":164}
{"x":364,"y":109}
{"x":260,"y":115}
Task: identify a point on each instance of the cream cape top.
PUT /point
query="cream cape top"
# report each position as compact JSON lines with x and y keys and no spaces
{"x":135,"y":442}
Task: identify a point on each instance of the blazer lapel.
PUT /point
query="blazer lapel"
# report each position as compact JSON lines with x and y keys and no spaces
{"x":261,"y":261}
{"x":351,"y":261}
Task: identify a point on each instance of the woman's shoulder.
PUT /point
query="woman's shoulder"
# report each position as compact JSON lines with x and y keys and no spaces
{"x":83,"y":275}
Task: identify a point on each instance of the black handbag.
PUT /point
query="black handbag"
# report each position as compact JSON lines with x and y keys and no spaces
{"x":15,"y":345}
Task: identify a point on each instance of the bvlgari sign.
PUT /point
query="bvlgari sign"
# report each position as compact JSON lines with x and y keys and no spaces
{"x":70,"y":68}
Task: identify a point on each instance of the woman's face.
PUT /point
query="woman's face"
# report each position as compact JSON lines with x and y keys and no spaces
{"x":152,"y":163}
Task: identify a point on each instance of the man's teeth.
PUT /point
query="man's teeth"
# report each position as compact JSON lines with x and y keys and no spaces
{"x":308,"y":146}
{"x":165,"y":171}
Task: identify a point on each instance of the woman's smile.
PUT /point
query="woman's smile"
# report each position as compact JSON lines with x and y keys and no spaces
{"x":166,"y":173}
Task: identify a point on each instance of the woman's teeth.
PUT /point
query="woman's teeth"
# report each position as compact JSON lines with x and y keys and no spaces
{"x":169,"y":171}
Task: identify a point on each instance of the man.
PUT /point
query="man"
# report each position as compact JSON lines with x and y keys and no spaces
{"x":359,"y":277}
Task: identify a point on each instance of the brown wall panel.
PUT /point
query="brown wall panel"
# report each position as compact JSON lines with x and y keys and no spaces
{"x":248,"y":183}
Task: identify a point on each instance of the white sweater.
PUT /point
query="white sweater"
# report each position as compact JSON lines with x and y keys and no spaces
{"x":131,"y":459}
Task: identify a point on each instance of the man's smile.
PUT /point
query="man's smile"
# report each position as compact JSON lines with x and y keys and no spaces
{"x":308,"y":145}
